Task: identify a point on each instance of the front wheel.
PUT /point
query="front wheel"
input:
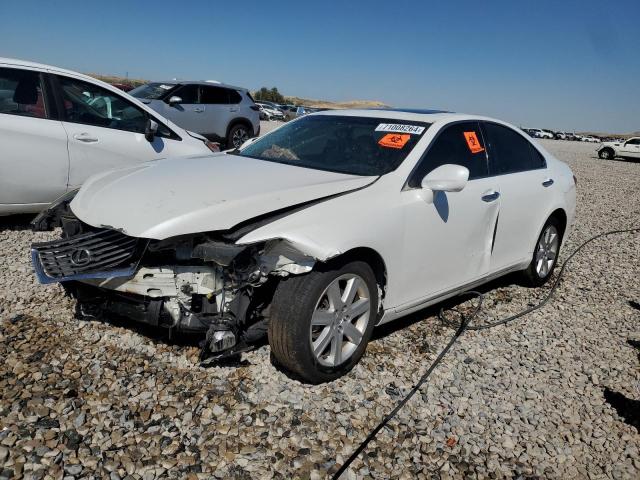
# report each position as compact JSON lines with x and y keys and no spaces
{"x":321,"y":322}
{"x":545,"y":255}
{"x":606,"y":154}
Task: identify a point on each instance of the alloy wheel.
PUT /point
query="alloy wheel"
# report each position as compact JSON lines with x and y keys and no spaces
{"x":547,"y":251}
{"x":340,"y":320}
{"x":240,"y":135}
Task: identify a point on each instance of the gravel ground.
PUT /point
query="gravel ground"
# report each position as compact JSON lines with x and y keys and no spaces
{"x":104,"y":400}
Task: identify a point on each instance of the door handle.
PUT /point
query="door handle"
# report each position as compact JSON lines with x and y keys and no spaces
{"x":490,"y":196}
{"x":548,"y":182}
{"x":233,"y":109}
{"x":198,"y":109}
{"x":85,"y":137}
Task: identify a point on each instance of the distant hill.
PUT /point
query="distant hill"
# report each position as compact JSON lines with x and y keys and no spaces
{"x":134,"y":82}
{"x":617,"y":135}
{"x":338,"y":105}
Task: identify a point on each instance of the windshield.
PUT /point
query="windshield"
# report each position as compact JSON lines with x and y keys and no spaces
{"x":152,"y":91}
{"x":353,"y":145}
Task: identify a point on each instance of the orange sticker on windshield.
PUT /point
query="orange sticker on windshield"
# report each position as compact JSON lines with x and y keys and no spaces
{"x":472,"y":142}
{"x":394,"y":140}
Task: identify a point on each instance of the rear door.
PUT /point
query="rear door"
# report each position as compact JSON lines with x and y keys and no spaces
{"x":219,"y":109}
{"x":34,"y":163}
{"x":631,"y":148}
{"x":105,"y":130}
{"x":527,"y":189}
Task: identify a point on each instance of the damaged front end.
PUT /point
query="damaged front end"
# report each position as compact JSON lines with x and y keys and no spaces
{"x":203,"y":283}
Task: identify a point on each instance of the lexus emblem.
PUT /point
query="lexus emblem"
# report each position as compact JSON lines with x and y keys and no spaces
{"x":80,"y":258}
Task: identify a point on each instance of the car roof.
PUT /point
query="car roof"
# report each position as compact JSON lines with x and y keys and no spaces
{"x":210,"y":83}
{"x":43,"y":66}
{"x":418,"y":115}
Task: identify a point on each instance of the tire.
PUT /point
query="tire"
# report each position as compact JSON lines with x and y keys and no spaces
{"x":545,"y":254}
{"x":606,"y":154}
{"x":292,"y":336}
{"x":238,"y":134}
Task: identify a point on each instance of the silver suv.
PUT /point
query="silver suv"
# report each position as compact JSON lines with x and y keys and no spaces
{"x":220,"y":112}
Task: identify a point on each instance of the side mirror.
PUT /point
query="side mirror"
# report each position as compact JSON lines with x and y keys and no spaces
{"x":446,"y":178}
{"x":150,"y":130}
{"x":175,"y":100}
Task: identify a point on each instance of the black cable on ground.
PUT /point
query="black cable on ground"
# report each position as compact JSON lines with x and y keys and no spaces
{"x":461,"y":328}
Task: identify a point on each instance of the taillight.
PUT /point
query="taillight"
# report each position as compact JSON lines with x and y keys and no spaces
{"x":255,"y":107}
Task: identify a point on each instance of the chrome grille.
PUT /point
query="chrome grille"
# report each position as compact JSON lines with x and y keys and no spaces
{"x":105,"y":251}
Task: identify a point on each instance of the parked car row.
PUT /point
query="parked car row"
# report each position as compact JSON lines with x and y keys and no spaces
{"x":269,"y":112}
{"x":559,"y":135}
{"x":275,"y":111}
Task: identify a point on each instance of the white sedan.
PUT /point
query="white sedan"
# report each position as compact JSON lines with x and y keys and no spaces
{"x":315,"y":233}
{"x":59,"y":127}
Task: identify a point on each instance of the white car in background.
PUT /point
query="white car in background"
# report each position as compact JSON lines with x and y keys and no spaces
{"x":59,"y":127}
{"x":348,"y":220}
{"x":590,"y":139}
{"x":538,"y":133}
{"x":625,"y":149}
{"x":270,"y":113}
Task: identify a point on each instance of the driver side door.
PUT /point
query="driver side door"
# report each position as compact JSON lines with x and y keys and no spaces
{"x":447,"y":242}
{"x":631,"y":148}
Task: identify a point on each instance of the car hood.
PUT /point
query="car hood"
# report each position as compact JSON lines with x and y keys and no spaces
{"x":170,"y":197}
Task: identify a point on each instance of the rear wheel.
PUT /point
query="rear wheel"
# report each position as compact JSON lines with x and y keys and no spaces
{"x":237,"y":136}
{"x":321,"y":322}
{"x":545,"y":255}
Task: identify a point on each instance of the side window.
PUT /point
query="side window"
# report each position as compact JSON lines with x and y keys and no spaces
{"x":214,"y":95}
{"x":458,"y":144}
{"x":93,"y":105}
{"x":188,"y":94}
{"x":21,"y":93}
{"x":634,"y":141}
{"x":235,"y":97}
{"x":510,"y":152}
{"x":537,"y":160}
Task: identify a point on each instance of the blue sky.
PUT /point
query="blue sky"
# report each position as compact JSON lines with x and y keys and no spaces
{"x":564,"y":64}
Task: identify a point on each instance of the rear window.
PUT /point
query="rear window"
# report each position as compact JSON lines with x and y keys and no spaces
{"x":510,"y":152}
{"x":214,"y":95}
{"x":219,"y":96}
{"x":234,"y":97}
{"x":344,"y":144}
{"x":152,"y":91}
